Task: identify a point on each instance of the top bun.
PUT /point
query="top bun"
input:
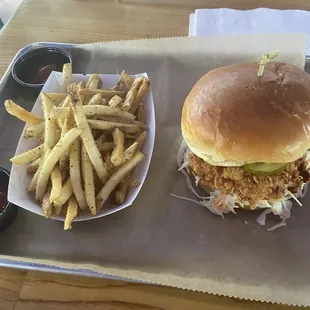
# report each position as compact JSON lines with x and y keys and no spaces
{"x":232,"y":117}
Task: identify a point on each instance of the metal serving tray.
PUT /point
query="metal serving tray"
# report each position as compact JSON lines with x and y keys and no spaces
{"x":10,"y":129}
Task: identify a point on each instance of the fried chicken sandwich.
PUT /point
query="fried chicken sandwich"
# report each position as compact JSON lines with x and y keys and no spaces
{"x":246,"y":137}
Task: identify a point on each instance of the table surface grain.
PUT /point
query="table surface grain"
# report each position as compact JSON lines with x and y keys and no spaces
{"x":22,"y":290}
{"x":83,"y":21}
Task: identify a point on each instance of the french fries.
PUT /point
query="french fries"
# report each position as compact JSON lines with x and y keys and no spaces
{"x":115,"y":102}
{"x":34,"y":130}
{"x":116,"y":178}
{"x":96,"y":100}
{"x":90,"y":140}
{"x":117,"y":156}
{"x":51,"y":160}
{"x":121,"y":192}
{"x":66,"y":192}
{"x":80,"y":87}
{"x":94,"y":82}
{"x":89,"y":183}
{"x":32,"y":185}
{"x":66,"y":76}
{"x":127,"y":79}
{"x":72,"y":212}
{"x":67,"y":124}
{"x":34,"y":166}
{"x":56,"y":97}
{"x":101,"y":139}
{"x":56,"y":184}
{"x":47,"y":205}
{"x":19,"y":112}
{"x":140,"y":139}
{"x":50,"y":126}
{"x":87,"y":137}
{"x":93,"y":110}
{"x":110,"y":126}
{"x":121,"y":120}
{"x":66,"y":102}
{"x":129,"y":152}
{"x":118,"y":85}
{"x":106,"y":93}
{"x":143,"y":90}
{"x":28,"y":156}
{"x":131,"y":136}
{"x":132,"y":93}
{"x":75,"y":173}
{"x":106,"y":146}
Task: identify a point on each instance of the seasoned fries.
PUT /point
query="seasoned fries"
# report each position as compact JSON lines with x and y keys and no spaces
{"x":50,"y":126}
{"x":32,"y":185}
{"x":75,"y":173}
{"x":90,"y":140}
{"x":127,"y":79}
{"x":66,"y":192}
{"x":121,"y":120}
{"x":101,"y":139}
{"x":129,"y":152}
{"x":140,"y":139}
{"x":121,"y":192}
{"x":28,"y":156}
{"x":140,"y":95}
{"x":117,"y":156}
{"x":106,"y":93}
{"x":94,"y":82}
{"x":19,"y":112}
{"x":80,"y":87}
{"x":141,"y":113}
{"x":132,"y":93}
{"x":56,"y":97}
{"x":110,"y":126}
{"x":64,"y":159}
{"x":51,"y":160}
{"x":93,"y":110}
{"x":46,"y":204}
{"x":116,"y":178}
{"x":56,"y":184}
{"x":115,"y":102}
{"x":96,"y":100}
{"x":72,"y":212}
{"x":34,"y":166}
{"x":87,"y":137}
{"x":34,"y":130}
{"x":89,"y":183}
{"x":106,"y":146}
{"x":66,"y":77}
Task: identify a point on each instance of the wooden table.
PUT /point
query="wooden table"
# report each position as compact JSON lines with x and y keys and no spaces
{"x":79,"y":21}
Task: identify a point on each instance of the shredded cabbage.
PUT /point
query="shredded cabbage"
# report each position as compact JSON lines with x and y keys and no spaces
{"x":281,"y":224}
{"x":225,"y":203}
{"x":302,"y":192}
{"x":221,"y":204}
{"x":294,"y":197}
{"x":261,"y":220}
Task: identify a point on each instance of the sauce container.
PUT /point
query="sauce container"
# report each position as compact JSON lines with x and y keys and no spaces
{"x":33,"y":68}
{"x":8,"y":211}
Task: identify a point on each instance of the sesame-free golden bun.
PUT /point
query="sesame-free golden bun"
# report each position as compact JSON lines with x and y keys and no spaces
{"x":232,"y":117}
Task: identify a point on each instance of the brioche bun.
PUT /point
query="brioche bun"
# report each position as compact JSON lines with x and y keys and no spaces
{"x":232,"y":117}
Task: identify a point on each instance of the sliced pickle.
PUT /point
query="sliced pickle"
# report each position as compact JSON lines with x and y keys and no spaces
{"x":264,"y":169}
